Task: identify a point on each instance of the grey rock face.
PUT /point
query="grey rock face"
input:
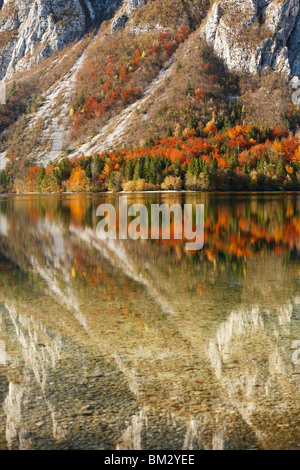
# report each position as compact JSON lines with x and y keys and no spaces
{"x":248,"y":35}
{"x":33,"y":29}
{"x":251,"y":35}
{"x":293,"y":45}
{"x":129,"y":7}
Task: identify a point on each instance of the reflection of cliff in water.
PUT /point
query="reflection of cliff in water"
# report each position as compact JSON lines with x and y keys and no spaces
{"x":140,"y":345}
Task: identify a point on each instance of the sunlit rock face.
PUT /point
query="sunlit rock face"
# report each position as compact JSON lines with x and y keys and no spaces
{"x":128,"y":7}
{"x":248,"y":35}
{"x":33,"y":29}
{"x":251,"y":35}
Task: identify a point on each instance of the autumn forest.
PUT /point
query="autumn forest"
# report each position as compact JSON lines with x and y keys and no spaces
{"x":236,"y":158}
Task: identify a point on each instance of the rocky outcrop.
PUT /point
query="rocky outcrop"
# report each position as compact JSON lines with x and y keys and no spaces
{"x":129,"y":7}
{"x":252,"y":35}
{"x":33,"y":29}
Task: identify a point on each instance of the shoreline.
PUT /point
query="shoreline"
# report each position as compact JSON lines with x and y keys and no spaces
{"x":124,"y":193}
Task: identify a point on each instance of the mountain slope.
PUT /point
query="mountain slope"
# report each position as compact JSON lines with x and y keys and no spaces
{"x":138,"y":74}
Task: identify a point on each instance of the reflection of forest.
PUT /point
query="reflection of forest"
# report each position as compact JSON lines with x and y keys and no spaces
{"x":139,"y":344}
{"x":236,"y":226}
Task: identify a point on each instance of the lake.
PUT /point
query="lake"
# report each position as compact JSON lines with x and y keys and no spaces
{"x":124,"y":344}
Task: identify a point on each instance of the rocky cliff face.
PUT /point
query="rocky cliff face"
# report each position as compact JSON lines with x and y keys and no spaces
{"x":33,"y":29}
{"x":129,"y":7}
{"x":252,"y":35}
{"x":248,"y":35}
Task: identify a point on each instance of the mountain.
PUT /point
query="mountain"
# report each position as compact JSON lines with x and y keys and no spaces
{"x":86,"y":76}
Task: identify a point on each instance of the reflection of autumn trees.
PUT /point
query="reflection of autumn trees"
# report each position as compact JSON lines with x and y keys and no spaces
{"x":254,"y":229}
{"x":160,"y":361}
{"x":235,"y":228}
{"x":167,"y":362}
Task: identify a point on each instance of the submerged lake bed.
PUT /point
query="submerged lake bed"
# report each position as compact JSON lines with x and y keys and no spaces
{"x":140,"y":344}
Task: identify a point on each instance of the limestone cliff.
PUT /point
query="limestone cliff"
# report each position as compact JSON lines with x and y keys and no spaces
{"x":248,"y":35}
{"x":252,"y":35}
{"x":33,"y":29}
{"x":129,"y":6}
